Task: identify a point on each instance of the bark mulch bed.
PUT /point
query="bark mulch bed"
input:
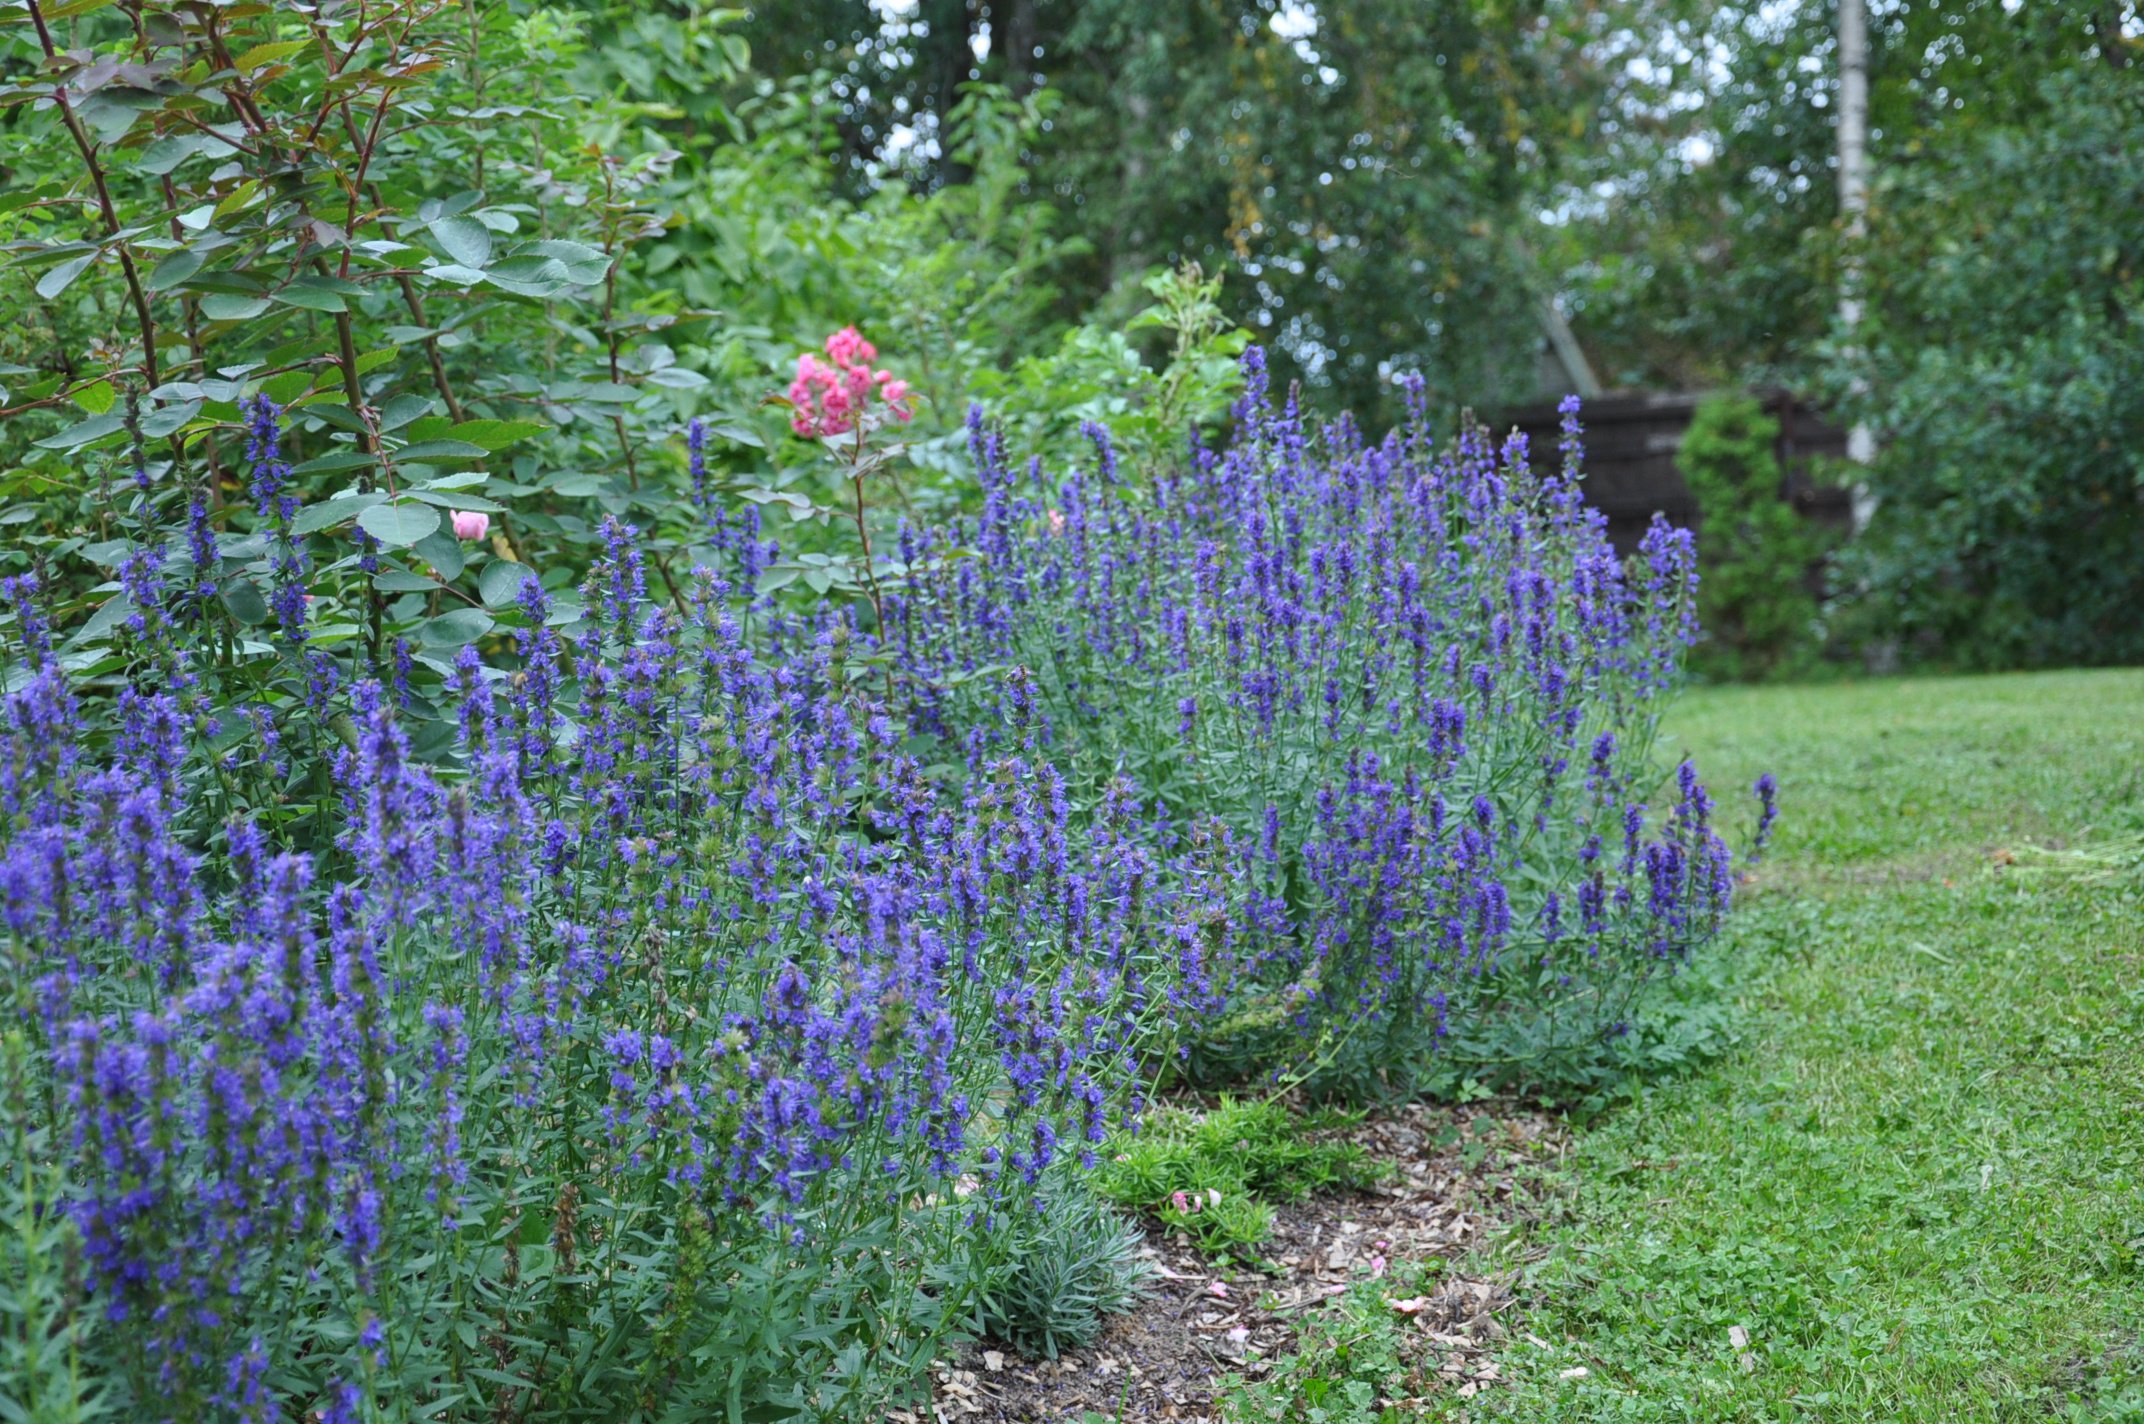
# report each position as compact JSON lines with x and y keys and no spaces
{"x":1168,"y":1358}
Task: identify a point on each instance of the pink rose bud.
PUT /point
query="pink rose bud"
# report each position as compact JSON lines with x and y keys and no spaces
{"x":471,"y":524}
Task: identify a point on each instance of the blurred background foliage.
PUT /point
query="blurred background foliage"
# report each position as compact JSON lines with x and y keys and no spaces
{"x":604,"y":218}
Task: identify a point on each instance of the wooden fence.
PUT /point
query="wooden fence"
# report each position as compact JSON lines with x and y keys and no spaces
{"x":1630,"y":457}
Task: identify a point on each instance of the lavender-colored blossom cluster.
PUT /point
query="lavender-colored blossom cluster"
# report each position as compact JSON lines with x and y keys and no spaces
{"x":1415,"y":680}
{"x":669,"y":1010}
{"x":673,"y":1004}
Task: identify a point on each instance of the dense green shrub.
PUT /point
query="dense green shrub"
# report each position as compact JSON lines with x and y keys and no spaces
{"x":480,"y":321}
{"x":2002,"y":368}
{"x":1755,"y":553}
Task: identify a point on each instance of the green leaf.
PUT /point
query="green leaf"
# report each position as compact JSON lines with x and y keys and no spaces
{"x":167,"y":153}
{"x":110,"y":113}
{"x":452,"y":630}
{"x":437,"y":450}
{"x":227,"y":306}
{"x":287,"y":387}
{"x":326,"y":408}
{"x":497,"y":434}
{"x":457,"y":499}
{"x":402,"y":410}
{"x":585,"y":266}
{"x":239,"y":198}
{"x":175,"y":268}
{"x":311,"y":298}
{"x":737,"y":434}
{"x":444,"y":553}
{"x":75,"y":437}
{"x":245,"y":602}
{"x":538,"y":277}
{"x":401,"y":581}
{"x":502,"y":581}
{"x":398,"y":525}
{"x":96,"y":397}
{"x":335,"y":463}
{"x":464,"y":239}
{"x":263,"y":55}
{"x":170,"y":420}
{"x":71,"y":9}
{"x":467,"y":479}
{"x":316,"y":517}
{"x":60,"y":278}
{"x":604,"y":392}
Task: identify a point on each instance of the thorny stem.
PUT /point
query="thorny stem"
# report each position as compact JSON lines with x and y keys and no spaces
{"x":410,"y":298}
{"x":476,"y":77}
{"x":190,"y":310}
{"x":610,"y":309}
{"x":863,"y":535}
{"x":105,"y":208}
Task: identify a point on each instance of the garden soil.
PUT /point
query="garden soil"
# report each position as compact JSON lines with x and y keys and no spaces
{"x":1457,"y":1178}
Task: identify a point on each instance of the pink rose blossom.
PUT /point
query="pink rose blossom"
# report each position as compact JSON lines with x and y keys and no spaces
{"x":829,"y":397}
{"x":848,"y":348}
{"x":471,"y":524}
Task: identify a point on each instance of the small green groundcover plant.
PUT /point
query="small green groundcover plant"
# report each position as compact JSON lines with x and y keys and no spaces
{"x":1215,"y":1175}
{"x":1064,"y":1269}
{"x":1360,"y":1360}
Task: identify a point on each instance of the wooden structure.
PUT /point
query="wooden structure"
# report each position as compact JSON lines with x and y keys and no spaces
{"x":1630,"y":444}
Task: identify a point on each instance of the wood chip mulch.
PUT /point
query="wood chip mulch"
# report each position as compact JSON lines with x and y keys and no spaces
{"x":1456,"y":1177}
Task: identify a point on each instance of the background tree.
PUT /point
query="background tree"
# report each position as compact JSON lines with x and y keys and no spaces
{"x":2003,"y":356}
{"x":1697,"y":239}
{"x":1365,"y":172}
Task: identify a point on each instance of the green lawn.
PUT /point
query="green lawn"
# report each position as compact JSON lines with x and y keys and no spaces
{"x":1918,"y":1181}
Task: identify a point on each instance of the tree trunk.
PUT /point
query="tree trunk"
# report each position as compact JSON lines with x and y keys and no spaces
{"x":1854,"y":206}
{"x":947,"y":58}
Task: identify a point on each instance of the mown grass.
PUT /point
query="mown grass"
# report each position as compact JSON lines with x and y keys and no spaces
{"x":1918,"y":1183}
{"x":1917,"y":1180}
